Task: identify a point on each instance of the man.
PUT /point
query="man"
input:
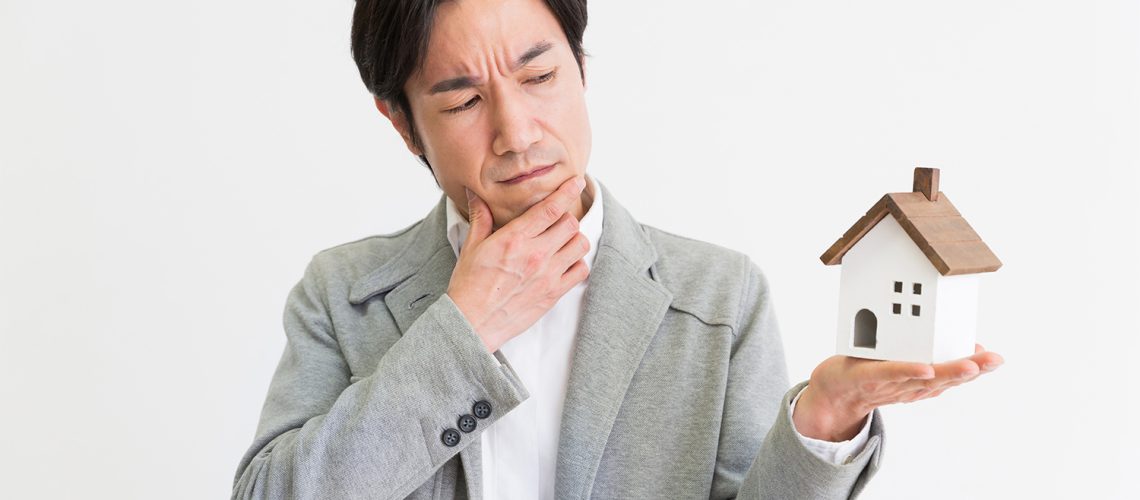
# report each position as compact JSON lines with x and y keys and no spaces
{"x":528,"y":338}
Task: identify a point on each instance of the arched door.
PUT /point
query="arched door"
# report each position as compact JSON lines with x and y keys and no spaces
{"x":866,"y":325}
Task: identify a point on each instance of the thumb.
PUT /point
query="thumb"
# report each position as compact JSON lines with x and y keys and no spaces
{"x":479,"y":215}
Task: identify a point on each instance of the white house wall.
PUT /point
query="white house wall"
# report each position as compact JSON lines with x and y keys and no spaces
{"x":956,"y":319}
{"x":869,"y":269}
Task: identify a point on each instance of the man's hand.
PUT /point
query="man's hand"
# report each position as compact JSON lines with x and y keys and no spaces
{"x":504,"y":282}
{"x":844,"y":390}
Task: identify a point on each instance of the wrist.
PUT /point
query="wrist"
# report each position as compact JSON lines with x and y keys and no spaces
{"x":491,"y":344}
{"x":489,"y":341}
{"x":818,"y":417}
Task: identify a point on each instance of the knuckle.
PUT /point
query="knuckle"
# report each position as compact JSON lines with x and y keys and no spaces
{"x":551,"y":211}
{"x":581,"y":273}
{"x":542,"y":284}
{"x":572,"y":222}
{"x":583,"y":243}
{"x":534,"y":262}
{"x":549,"y":301}
{"x":512,"y":246}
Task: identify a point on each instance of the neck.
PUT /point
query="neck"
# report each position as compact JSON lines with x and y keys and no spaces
{"x":585,"y":201}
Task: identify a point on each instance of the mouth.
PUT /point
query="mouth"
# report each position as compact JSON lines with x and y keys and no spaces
{"x":529,"y":175}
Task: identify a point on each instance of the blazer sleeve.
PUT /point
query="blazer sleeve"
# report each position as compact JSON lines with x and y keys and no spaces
{"x":757,"y":409}
{"x":321,"y":437}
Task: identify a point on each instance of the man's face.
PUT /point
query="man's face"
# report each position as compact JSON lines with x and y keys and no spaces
{"x":500,"y":95}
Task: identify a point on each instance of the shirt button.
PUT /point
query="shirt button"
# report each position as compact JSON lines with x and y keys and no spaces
{"x":450,"y":437}
{"x":481,"y":409}
{"x":467,"y":423}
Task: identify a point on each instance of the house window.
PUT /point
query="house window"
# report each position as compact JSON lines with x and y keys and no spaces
{"x":918,"y":288}
{"x":898,"y":287}
{"x":896,"y":308}
{"x":914,"y":310}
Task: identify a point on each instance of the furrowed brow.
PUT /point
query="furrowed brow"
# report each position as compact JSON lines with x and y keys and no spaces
{"x":463,"y":82}
{"x":528,"y":56}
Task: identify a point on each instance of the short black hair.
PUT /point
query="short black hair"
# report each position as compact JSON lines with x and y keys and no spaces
{"x":390,"y":40}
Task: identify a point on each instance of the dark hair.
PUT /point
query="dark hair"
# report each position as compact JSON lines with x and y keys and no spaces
{"x":390,"y":39}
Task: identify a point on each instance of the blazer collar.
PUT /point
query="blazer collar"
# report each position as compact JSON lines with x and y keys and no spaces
{"x":427,"y":238}
{"x":623,"y":307}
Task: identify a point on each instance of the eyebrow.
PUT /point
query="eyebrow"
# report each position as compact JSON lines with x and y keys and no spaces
{"x":463,"y":82}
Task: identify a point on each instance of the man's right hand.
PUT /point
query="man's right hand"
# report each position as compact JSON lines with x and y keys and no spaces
{"x":504,"y":282}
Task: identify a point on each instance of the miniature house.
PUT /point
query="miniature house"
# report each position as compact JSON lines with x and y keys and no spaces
{"x":909,"y":282}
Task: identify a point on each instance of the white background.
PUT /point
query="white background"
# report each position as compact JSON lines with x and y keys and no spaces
{"x":167,"y":170}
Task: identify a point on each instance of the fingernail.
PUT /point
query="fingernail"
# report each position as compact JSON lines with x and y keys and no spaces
{"x":469,"y":194}
{"x":580,"y":182}
{"x":989,"y":367}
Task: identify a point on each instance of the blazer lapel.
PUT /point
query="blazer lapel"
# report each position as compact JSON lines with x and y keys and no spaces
{"x":622,"y":310}
{"x":416,"y":277}
{"x":408,"y":300}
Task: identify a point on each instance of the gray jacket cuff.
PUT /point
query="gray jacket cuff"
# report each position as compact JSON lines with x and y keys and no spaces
{"x":483,"y":375}
{"x":785,"y":468}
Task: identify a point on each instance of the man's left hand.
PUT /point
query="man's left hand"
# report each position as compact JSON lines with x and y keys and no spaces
{"x":843,"y":390}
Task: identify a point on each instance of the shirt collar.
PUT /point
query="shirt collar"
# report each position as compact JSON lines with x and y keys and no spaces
{"x":590,"y":225}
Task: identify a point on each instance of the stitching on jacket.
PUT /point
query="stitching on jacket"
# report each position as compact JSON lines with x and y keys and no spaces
{"x":740,"y":308}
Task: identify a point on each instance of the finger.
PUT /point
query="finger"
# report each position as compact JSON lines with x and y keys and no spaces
{"x":955,"y":382}
{"x":577,"y":273}
{"x":574,"y":249}
{"x":947,"y":375}
{"x":984,"y":361}
{"x":546,"y":212}
{"x":479,"y":215}
{"x":556,"y":236}
{"x":896,"y":371}
{"x":955,"y":370}
{"x":988,"y":361}
{"x":922,"y":385}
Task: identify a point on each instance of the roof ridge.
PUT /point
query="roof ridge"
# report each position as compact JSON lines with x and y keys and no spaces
{"x":936,"y":227}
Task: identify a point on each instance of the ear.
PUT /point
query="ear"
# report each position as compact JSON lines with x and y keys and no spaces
{"x":400,"y":122}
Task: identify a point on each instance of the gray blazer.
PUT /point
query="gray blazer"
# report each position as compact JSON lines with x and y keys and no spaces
{"x":678,"y":387}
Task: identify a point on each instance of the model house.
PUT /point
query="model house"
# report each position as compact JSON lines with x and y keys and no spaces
{"x":909,"y":281}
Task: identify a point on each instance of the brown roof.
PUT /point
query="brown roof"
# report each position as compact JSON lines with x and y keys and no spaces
{"x":935,"y":226}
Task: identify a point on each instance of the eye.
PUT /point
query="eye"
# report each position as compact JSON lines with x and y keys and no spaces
{"x":466,"y":106}
{"x":543,"y":78}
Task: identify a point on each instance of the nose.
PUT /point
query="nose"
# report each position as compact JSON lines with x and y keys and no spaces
{"x":516,"y":128}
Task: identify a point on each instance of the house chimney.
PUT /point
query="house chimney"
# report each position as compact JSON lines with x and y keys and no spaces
{"x":926,"y":182}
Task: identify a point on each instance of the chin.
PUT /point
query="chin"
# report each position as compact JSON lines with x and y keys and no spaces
{"x":519,"y":198}
{"x":504,"y":215}
{"x":508,"y":210}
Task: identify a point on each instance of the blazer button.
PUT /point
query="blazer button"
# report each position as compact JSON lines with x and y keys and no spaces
{"x":481,"y":409}
{"x":467,"y":423}
{"x":450,"y":437}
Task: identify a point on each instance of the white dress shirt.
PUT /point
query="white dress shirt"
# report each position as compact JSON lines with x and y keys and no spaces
{"x":520,"y":451}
